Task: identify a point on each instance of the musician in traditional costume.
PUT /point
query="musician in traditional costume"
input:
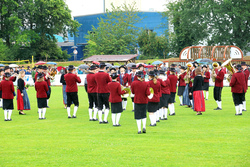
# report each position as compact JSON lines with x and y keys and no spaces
{"x":238,"y":89}
{"x":246,"y":72}
{"x":181,"y":84}
{"x":206,"y":76}
{"x":71,"y":79}
{"x":13,"y":77}
{"x":131,"y":79}
{"x":41,"y":88}
{"x":153,"y":103}
{"x":219,"y":77}
{"x":123,"y":78}
{"x":23,"y":102}
{"x":141,"y":68}
{"x":115,"y":99}
{"x":102,"y":79}
{"x":92,"y":93}
{"x":47,"y":79}
{"x":141,"y":91}
{"x":192,"y":75}
{"x":39,"y":70}
{"x":62,"y":80}
{"x":7,"y":88}
{"x":1,"y":78}
{"x":173,"y":81}
{"x":197,"y":92}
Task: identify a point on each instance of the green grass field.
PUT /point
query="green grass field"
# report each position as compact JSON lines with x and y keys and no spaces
{"x":217,"y":138}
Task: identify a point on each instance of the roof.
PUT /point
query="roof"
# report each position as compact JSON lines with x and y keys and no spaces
{"x":110,"y":58}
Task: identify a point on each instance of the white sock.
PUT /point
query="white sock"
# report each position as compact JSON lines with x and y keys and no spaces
{"x":90,"y":113}
{"x":144,"y":120}
{"x":138,"y":121}
{"x":40,"y":112}
{"x":75,"y":110}
{"x":10,"y":112}
{"x":118,"y":116}
{"x":133,"y":105}
{"x":113,"y":118}
{"x":151,"y":119}
{"x":125,"y":104}
{"x":106,"y":113}
{"x":157,"y":115}
{"x":44,"y":112}
{"x":241,"y":106}
{"x":160,"y":113}
{"x":100,"y":115}
{"x":95,"y":113}
{"x":207,"y":93}
{"x":173,"y":108}
{"x":219,"y":104}
{"x":1,"y":102}
{"x":180,"y":97}
{"x":6,"y":114}
{"x":166,"y":112}
{"x":68,"y":110}
{"x":191,"y":101}
{"x":237,"y":108}
{"x":244,"y":105}
{"x":47,"y":102}
{"x":170,"y":108}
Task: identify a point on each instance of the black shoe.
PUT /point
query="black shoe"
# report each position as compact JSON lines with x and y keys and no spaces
{"x":139,"y":132}
{"x":114,"y":125}
{"x":100,"y":122}
{"x":40,"y":118}
{"x":123,"y":109}
{"x":94,"y":119}
{"x":105,"y":122}
{"x":218,"y":108}
{"x":199,"y":114}
{"x":11,"y":119}
{"x":172,"y":114}
{"x":47,"y":107}
{"x":6,"y":120}
{"x":165,"y":118}
{"x":181,"y":104}
{"x":73,"y":116}
{"x":133,"y":110}
{"x":118,"y":125}
{"x":144,"y":130}
{"x":90,"y":119}
{"x":152,"y":125}
{"x":244,"y":110}
{"x":240,"y":113}
{"x":158,"y":121}
{"x":43,"y":118}
{"x":21,"y":113}
{"x":162,"y":119}
{"x":69,"y":116}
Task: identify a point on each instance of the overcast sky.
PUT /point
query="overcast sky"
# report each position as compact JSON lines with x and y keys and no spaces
{"x":86,"y":7}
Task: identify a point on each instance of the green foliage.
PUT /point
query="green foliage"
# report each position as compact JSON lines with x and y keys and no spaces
{"x":28,"y":27}
{"x":3,"y":50}
{"x":151,"y":45}
{"x":116,"y":32}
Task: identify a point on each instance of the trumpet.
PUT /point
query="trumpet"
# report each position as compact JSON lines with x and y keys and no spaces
{"x":230,"y":68}
{"x":215,"y":65}
{"x":187,"y":77}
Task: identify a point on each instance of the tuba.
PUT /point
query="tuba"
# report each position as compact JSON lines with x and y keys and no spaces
{"x":230,"y":68}
{"x":215,"y":65}
{"x":187,"y":77}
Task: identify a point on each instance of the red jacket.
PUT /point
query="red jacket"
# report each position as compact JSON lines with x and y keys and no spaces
{"x":157,"y":91}
{"x":181,"y":79}
{"x":165,"y":89}
{"x":173,"y":82}
{"x":115,"y":92}
{"x":41,"y":89}
{"x":102,"y":79}
{"x":7,"y":89}
{"x":123,"y":80}
{"x":141,"y":91}
{"x":92,"y":86}
{"x":12,"y":78}
{"x":219,"y":79}
{"x":207,"y":76}
{"x":71,"y":80}
{"x":131,"y":78}
{"x":192,"y":75}
{"x":246,"y":72}
{"x":236,"y":83}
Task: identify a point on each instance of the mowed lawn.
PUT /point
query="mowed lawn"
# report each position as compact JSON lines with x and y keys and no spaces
{"x":217,"y":138}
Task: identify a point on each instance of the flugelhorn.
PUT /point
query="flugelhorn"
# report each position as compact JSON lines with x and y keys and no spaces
{"x":230,"y":68}
{"x":215,"y":65}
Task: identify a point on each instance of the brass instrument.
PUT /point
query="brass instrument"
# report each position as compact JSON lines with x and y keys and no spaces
{"x":230,"y":68}
{"x":187,"y":77}
{"x":128,"y":91}
{"x":215,"y":65}
{"x":151,"y":93}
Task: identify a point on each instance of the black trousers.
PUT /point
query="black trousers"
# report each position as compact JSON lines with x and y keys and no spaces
{"x":72,"y":97}
{"x":103,"y":99}
{"x":190,"y":91}
{"x":49,"y":92}
{"x":124,"y":99}
{"x":217,"y":93}
{"x":238,"y":98}
{"x":92,"y":100}
{"x":132,"y":98}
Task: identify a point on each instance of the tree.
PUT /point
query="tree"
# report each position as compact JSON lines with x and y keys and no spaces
{"x":116,"y":32}
{"x":3,"y":50}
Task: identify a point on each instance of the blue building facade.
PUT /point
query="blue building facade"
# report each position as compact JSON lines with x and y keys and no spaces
{"x":150,"y":20}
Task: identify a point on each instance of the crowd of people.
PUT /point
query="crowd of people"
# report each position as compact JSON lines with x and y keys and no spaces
{"x":153,"y":90}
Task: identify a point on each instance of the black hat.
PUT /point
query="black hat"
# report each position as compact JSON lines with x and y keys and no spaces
{"x":219,"y":63}
{"x":162,"y":72}
{"x":172,"y":65}
{"x":1,"y":70}
{"x":238,"y":67}
{"x":122,"y":66}
{"x":140,"y":74}
{"x":140,"y":65}
{"x":45,"y":67}
{"x":39,"y":75}
{"x":71,"y":67}
{"x":204,"y":66}
{"x":112,"y":68}
{"x":172,"y":69}
{"x":7,"y":74}
{"x":93,"y":67}
{"x":133,"y":67}
{"x":182,"y":67}
{"x":243,"y":63}
{"x":6,"y":68}
{"x":102,"y":64}
{"x":40,"y":67}
{"x":114,"y":75}
{"x":151,"y":73}
{"x":156,"y":72}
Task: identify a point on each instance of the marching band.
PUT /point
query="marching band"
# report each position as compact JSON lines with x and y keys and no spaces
{"x":155,"y":94}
